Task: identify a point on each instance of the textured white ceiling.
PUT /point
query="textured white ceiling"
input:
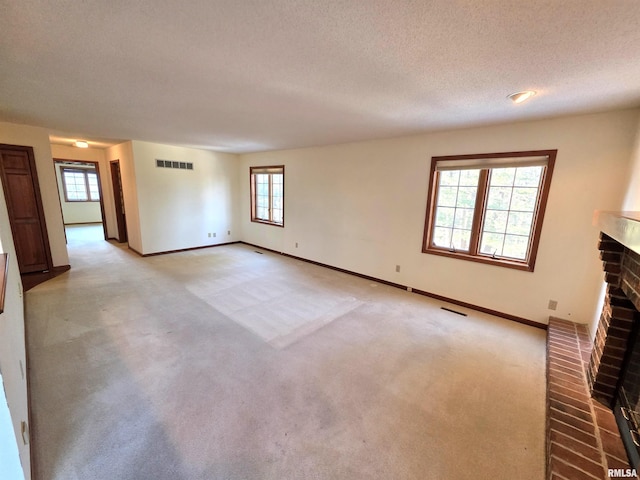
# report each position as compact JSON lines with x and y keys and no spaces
{"x":250,"y":75}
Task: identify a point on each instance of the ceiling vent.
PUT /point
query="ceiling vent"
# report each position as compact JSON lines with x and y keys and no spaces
{"x":172,"y":164}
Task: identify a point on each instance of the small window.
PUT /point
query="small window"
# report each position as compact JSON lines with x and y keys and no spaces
{"x":267,"y":195}
{"x":80,"y":185}
{"x":488,"y":207}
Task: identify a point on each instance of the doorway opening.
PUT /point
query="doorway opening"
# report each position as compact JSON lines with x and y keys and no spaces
{"x":80,"y":193}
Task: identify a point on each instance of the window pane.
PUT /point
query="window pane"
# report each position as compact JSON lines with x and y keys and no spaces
{"x":262,"y":201}
{"x":491,"y":243}
{"x":94,"y":192}
{"x":496,"y":221}
{"x":515,"y":246}
{"x":442,"y":237}
{"x":262,"y":213}
{"x":499,"y":198}
{"x":524,"y":199}
{"x":450,"y":177}
{"x":463,"y":218}
{"x":469,"y":178}
{"x":466,"y":197}
{"x":528,"y":176}
{"x":519,"y":223}
{"x":75,"y":185}
{"x":502,"y":177}
{"x":460,"y":239}
{"x":445,"y":216}
{"x":447,"y":196}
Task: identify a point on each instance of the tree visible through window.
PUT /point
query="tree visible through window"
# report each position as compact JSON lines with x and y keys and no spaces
{"x":80,"y":185}
{"x":488,"y":207}
{"x":267,"y":195}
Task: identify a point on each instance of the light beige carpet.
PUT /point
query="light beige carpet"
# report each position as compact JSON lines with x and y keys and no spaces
{"x":227,"y":364}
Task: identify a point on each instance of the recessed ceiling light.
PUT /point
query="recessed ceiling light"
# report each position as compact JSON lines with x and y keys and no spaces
{"x":520,"y":97}
{"x":81,"y":144}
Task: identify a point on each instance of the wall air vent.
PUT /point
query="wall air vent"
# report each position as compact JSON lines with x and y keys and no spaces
{"x":172,"y":164}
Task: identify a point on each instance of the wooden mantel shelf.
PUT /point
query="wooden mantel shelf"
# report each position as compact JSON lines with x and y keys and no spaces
{"x":623,"y":227}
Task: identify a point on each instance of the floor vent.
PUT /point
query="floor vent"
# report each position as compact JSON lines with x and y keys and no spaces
{"x":453,"y":311}
{"x":258,"y":252}
{"x":172,"y":164}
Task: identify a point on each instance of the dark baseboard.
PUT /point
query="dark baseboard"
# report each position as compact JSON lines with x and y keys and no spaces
{"x":478,"y":308}
{"x":337,"y":269}
{"x":181,"y":250}
{"x":442,"y":298}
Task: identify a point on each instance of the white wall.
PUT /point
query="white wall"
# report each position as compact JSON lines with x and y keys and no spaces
{"x":179,"y":208}
{"x":632,"y":193}
{"x":361,"y":207}
{"x":65,"y":152}
{"x":12,"y":341}
{"x":77,"y":212}
{"x":38,"y":138}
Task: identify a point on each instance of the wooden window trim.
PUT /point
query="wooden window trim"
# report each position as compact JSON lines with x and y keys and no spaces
{"x":85,"y":172}
{"x":252,"y":184}
{"x":526,"y":265}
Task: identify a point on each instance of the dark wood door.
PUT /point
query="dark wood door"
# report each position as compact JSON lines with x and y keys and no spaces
{"x":24,"y":204}
{"x":118,"y":197}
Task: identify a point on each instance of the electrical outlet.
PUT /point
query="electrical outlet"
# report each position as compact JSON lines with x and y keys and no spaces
{"x":296,"y":244}
{"x":209,"y":235}
{"x":21,"y":368}
{"x":553,"y":304}
{"x":214,"y":234}
{"x":228,"y":232}
{"x":397,"y":268}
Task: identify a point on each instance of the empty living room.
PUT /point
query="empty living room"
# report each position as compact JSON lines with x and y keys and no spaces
{"x":247,"y":240}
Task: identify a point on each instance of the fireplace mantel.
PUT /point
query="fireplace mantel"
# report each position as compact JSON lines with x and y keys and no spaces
{"x":624,"y":227}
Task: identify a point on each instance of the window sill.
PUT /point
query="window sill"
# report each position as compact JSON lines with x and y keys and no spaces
{"x":481,"y":259}
{"x":264,"y":222}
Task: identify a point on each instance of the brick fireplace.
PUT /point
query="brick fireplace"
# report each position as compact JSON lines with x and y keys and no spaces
{"x":622,"y":302}
{"x":593,"y":387}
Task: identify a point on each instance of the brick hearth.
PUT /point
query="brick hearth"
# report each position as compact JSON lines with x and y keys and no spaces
{"x":582,"y":436}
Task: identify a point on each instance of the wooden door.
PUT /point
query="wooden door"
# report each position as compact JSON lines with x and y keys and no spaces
{"x":24,"y":204}
{"x":118,"y":198}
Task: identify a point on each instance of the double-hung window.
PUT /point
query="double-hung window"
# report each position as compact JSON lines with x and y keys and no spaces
{"x":80,"y":185}
{"x":267,"y":195}
{"x":488,"y":207}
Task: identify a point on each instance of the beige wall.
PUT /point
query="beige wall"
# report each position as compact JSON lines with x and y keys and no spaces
{"x":38,"y":138}
{"x":124,"y":153}
{"x":179,"y":208}
{"x":361,"y":207}
{"x":12,"y":341}
{"x":632,"y":192}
